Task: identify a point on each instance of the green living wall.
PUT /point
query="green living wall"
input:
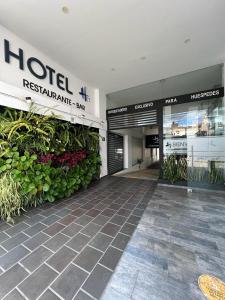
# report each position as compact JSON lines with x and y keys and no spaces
{"x":43,"y":159}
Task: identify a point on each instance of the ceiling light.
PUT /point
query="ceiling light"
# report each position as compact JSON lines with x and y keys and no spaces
{"x":187,"y":41}
{"x":65,"y":9}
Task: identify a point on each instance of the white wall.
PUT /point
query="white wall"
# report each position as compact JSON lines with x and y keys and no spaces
{"x":137,"y":150}
{"x":133,"y":148}
{"x":13,"y":93}
{"x":149,"y":155}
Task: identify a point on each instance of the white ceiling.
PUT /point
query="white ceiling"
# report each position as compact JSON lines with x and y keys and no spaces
{"x":194,"y":81}
{"x":98,"y":35}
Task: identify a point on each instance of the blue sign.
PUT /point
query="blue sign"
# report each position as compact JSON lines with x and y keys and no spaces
{"x":83,"y":93}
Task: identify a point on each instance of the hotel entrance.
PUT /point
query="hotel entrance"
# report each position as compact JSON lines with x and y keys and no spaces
{"x":140,"y":153}
{"x":180,"y":140}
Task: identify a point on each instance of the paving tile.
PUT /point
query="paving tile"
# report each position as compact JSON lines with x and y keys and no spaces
{"x":91,"y":229}
{"x":47,"y":212}
{"x":56,"y":242}
{"x":88,"y":258}
{"x":78,"y":242}
{"x":82,"y":296}
{"x":49,"y":295}
{"x":74,"y":206}
{"x":34,"y":285}
{"x":61,"y":258}
{"x":138,"y":212}
{"x":120,"y":241}
{"x":133,"y":220}
{"x":13,"y":256}
{"x":14,"y":241}
{"x":124,"y":278}
{"x":100,"y":220}
{"x":97,"y":281}
{"x":3,"y":237}
{"x":101,"y":241}
{"x":72,"y":229}
{"x":88,"y":205}
{"x":93,"y":212}
{"x":54,"y":228}
{"x":35,"y":229}
{"x":108,"y":212}
{"x":14,"y":295}
{"x":4,"y":226}
{"x":111,"y":258}
{"x":63,"y":212}
{"x":124,"y":212}
{"x":112,"y":294}
{"x":78,"y":212}
{"x":68,"y":219}
{"x":129,"y":206}
{"x":69,"y":282}
{"x":36,"y":258}
{"x":36,"y":240}
{"x":33,"y":211}
{"x":17,"y":229}
{"x":11,"y":278}
{"x":110,"y":229}
{"x":34,"y":219}
{"x":115,"y":206}
{"x":128,"y":229}
{"x":2,"y":251}
{"x":101,"y":205}
{"x":50,"y":220}
{"x":117,"y":219}
{"x":83,"y":220}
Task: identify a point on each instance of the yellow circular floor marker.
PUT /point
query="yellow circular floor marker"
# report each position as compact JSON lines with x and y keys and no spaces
{"x":213,"y":288}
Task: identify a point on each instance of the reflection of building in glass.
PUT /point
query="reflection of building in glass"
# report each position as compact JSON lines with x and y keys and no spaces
{"x":181,"y":131}
{"x":203,"y":128}
{"x":177,"y":130}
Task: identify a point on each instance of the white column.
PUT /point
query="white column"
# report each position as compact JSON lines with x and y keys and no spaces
{"x":127,"y":140}
{"x":100,"y":112}
{"x":103,"y":152}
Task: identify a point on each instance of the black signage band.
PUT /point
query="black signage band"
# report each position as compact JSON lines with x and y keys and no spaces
{"x":151,"y":105}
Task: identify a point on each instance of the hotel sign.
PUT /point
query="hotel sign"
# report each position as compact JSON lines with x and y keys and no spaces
{"x":61,"y":91}
{"x":151,"y":105}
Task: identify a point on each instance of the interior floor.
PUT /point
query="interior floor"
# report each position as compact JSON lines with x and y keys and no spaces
{"x":147,"y":174}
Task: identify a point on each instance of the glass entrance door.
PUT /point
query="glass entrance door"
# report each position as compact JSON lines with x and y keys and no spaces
{"x":206,"y":144}
{"x":194,"y":143}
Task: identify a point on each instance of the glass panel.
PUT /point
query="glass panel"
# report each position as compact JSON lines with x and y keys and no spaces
{"x":194,"y":143}
{"x":206,"y":144}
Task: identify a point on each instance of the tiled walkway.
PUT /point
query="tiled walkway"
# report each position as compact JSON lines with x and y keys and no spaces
{"x":180,"y":236}
{"x":69,"y":249}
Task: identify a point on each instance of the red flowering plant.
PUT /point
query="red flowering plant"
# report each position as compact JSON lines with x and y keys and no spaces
{"x":67,"y":159}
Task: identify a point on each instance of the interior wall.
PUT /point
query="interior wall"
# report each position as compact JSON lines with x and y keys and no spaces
{"x":149,"y":155}
{"x":137,"y":149}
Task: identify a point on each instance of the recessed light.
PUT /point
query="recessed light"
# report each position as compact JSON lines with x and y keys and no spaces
{"x":65,"y":9}
{"x":187,"y":41}
{"x":143,"y":58}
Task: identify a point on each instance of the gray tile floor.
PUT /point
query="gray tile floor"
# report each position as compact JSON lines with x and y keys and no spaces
{"x":69,"y":249}
{"x":180,"y":236}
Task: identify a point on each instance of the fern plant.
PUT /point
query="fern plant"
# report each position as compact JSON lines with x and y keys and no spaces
{"x":11,"y":199}
{"x":27,"y":130}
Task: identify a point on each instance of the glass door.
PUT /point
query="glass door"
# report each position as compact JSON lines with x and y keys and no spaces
{"x":194,"y":144}
{"x":206,"y":144}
